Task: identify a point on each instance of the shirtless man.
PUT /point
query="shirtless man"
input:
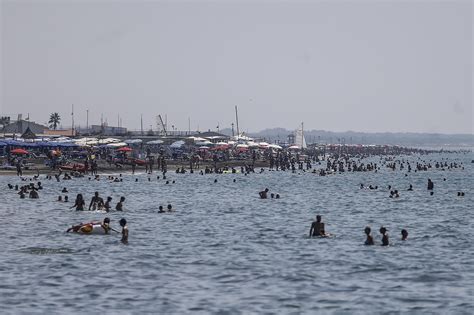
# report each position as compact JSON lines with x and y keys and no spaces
{"x":119,"y":206}
{"x":317,"y":227}
{"x":123,"y":224}
{"x":96,"y":200}
{"x":107,"y":206}
{"x":263,"y":194}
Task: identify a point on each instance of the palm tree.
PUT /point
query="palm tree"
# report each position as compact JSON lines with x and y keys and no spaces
{"x":54,"y":120}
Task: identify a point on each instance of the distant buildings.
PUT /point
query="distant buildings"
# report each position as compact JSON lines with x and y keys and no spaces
{"x":106,"y":130}
{"x":19,"y":127}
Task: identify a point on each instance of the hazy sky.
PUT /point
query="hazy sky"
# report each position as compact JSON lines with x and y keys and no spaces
{"x":353,"y":65}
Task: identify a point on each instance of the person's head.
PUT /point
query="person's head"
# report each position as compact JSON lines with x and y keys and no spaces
{"x":277,"y":196}
{"x":383,"y":230}
{"x":122,"y":199}
{"x":272,"y":195}
{"x":106,"y":220}
{"x":266,"y":189}
{"x":60,"y":198}
{"x":367,"y":230}
{"x":169,"y":206}
{"x":66,"y":198}
{"x":79,"y":197}
{"x":123,"y":222}
{"x":96,"y":194}
{"x":404,"y":234}
{"x":109,"y":198}
{"x":160,"y":208}
{"x":318,"y":218}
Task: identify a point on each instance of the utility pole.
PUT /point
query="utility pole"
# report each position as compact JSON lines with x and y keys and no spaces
{"x":87,"y":120}
{"x":232,"y":129}
{"x":141,"y":123}
{"x":189,"y":125}
{"x":237,"y":121}
{"x":72,"y":114}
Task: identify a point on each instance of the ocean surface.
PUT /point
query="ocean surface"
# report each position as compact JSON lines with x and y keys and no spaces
{"x":225,"y":251}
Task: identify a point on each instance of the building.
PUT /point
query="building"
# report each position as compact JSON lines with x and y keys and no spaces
{"x":107,"y":130}
{"x":20,"y":126}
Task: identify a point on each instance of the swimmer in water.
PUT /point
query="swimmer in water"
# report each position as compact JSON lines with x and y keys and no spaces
{"x":119,"y":206}
{"x":430,"y":184}
{"x":404,"y":235}
{"x":107,"y":205}
{"x":370,"y":239}
{"x":96,"y":200}
{"x":384,"y":233}
{"x":123,"y":224}
{"x":170,"y":208}
{"x":263,"y":194}
{"x":79,"y":203}
{"x":317,"y":228}
{"x":160,"y":209}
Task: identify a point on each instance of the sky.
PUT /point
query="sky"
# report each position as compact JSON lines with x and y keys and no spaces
{"x":369,"y":66}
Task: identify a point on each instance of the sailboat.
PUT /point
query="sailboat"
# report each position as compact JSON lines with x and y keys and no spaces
{"x":300,"y":141}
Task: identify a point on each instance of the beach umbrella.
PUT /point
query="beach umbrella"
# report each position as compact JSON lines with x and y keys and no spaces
{"x":203,"y":143}
{"x":275,"y":146}
{"x":19,"y":151}
{"x":125,"y":149}
{"x":244,"y":146}
{"x":177,"y":144}
{"x":133,"y":141}
{"x":158,"y":141}
{"x":294,"y":147}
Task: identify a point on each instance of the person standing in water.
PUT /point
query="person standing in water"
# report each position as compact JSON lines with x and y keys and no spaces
{"x":123,"y":224}
{"x":95,"y":200}
{"x":430,"y":184}
{"x":384,"y":233}
{"x":79,"y":203}
{"x":370,"y":239}
{"x":119,"y":206}
{"x":404,"y":235}
{"x":317,"y":227}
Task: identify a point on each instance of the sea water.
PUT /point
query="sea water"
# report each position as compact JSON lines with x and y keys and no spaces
{"x":223,"y":250}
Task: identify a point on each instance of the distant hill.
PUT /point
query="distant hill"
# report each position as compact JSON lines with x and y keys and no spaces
{"x":352,"y":137}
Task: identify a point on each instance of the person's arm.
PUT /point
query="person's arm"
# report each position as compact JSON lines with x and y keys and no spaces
{"x":311,"y":230}
{"x":92,"y":201}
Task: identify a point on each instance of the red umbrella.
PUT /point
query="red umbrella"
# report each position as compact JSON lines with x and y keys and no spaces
{"x":19,"y":151}
{"x":125,"y":149}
